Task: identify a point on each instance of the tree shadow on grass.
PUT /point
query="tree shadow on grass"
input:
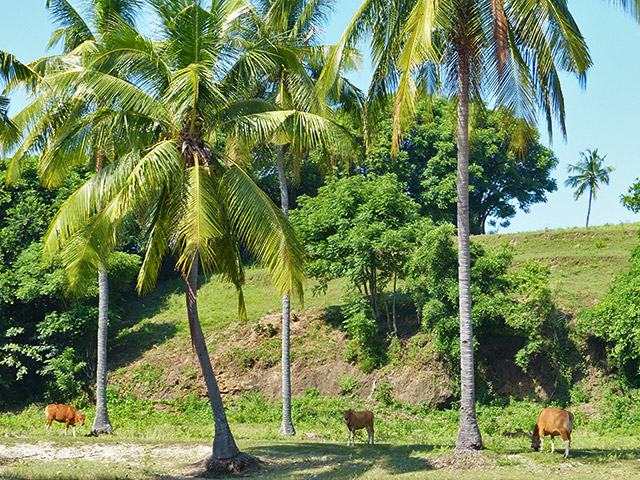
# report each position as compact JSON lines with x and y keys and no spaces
{"x":139,"y":331}
{"x":599,"y":455}
{"x":329,"y":461}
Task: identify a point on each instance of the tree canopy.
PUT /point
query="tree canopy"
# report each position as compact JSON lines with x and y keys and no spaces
{"x":501,"y":179}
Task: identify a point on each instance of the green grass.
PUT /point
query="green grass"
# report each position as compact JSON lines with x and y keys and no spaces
{"x":583,"y":261}
{"x":410,"y":443}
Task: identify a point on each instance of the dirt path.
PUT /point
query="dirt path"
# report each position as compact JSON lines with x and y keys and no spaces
{"x":180,"y":459}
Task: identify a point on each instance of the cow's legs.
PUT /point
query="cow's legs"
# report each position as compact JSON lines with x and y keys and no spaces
{"x":370,"y":435}
{"x":553,"y":448}
{"x":74,"y":430}
{"x":566,"y":436}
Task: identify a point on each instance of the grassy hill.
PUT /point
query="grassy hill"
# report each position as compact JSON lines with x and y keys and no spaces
{"x":152,"y":356}
{"x":583,"y":261}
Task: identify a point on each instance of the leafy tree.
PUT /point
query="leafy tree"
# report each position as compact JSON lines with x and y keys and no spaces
{"x":499,"y":178}
{"x":632,"y":199}
{"x":589,"y":173}
{"x":512,"y":51}
{"x":38,"y":318}
{"x":359,"y":227}
{"x":509,"y":303}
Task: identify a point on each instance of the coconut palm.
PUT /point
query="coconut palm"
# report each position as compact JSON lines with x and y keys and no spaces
{"x":291,"y":30}
{"x":74,"y":31}
{"x":68,"y":117}
{"x":589,"y":174}
{"x":173,"y":94}
{"x":512,"y":51}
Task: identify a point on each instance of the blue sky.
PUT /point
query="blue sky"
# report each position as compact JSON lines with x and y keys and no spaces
{"x":605,"y":116}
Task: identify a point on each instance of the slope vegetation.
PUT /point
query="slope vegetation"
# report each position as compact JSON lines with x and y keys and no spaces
{"x":153,"y":359}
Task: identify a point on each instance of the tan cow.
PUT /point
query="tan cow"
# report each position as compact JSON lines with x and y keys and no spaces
{"x":553,"y":422}
{"x":63,"y":413}
{"x":356,"y":421}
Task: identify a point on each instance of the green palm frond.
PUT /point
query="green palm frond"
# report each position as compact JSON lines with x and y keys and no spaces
{"x":630,"y":6}
{"x":200,"y":222}
{"x":157,"y":245}
{"x":265,"y":231}
{"x":73,"y":30}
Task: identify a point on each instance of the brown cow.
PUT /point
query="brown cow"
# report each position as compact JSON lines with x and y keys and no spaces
{"x":63,"y":413}
{"x":553,"y":422}
{"x":356,"y":421}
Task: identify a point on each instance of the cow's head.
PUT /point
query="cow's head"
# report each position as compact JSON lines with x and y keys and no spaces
{"x":80,"y":418}
{"x":346,"y":415}
{"x":535,"y":441}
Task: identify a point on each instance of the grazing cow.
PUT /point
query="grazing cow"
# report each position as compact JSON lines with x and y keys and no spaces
{"x":63,"y":413}
{"x":356,"y":421}
{"x":553,"y":422}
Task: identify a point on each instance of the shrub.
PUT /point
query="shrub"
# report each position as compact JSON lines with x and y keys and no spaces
{"x":384,"y":394}
{"x":348,"y":383}
{"x":616,"y":320}
{"x":63,"y":372}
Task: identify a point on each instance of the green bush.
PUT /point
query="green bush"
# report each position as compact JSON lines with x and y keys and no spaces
{"x":65,"y":381}
{"x":616,"y":321}
{"x":348,"y":383}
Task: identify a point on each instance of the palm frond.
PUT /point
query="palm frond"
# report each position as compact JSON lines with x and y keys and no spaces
{"x":265,"y":231}
{"x":73,"y":29}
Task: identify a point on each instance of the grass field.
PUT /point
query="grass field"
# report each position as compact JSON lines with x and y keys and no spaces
{"x":169,"y":443}
{"x":592,"y":456}
{"x":157,"y":439}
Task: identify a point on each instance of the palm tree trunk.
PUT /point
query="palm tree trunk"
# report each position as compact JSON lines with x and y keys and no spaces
{"x":468,"y":434}
{"x":287,"y":424}
{"x":101,"y":421}
{"x":589,"y":208}
{"x":224,"y":445}
{"x":395,"y":289}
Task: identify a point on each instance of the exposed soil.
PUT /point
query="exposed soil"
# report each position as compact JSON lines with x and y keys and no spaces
{"x":246,"y":358}
{"x":317,"y":352}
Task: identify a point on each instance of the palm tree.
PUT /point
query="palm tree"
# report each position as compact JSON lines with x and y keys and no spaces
{"x":512,"y":51}
{"x":291,"y":29}
{"x":194,"y":199}
{"x":68,"y":114}
{"x":589,"y":174}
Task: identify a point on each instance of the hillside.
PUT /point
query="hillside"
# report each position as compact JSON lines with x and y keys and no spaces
{"x":583,"y":261}
{"x":152,"y":358}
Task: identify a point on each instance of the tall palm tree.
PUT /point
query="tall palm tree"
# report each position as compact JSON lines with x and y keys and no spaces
{"x":510,"y":50}
{"x":81,"y":39}
{"x":291,"y":30}
{"x":195,"y":200}
{"x":589,"y":174}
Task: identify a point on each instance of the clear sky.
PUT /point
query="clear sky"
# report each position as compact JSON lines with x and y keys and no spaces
{"x":605,"y":116}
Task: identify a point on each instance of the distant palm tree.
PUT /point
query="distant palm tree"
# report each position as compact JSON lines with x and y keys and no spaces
{"x":589,"y":173}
